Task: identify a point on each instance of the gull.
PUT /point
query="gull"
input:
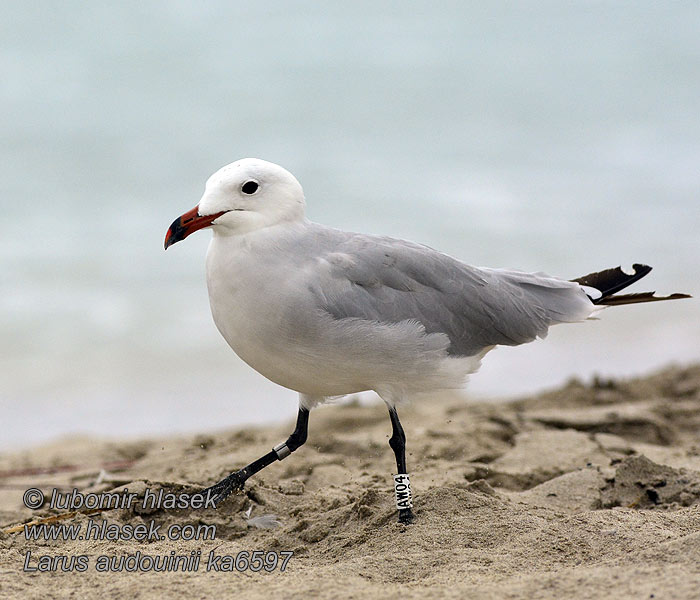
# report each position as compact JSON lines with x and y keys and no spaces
{"x":328,"y":313}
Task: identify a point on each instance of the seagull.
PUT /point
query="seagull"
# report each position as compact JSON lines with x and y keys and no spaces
{"x":329,"y":313}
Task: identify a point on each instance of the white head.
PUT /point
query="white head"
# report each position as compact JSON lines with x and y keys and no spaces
{"x":246,"y":195}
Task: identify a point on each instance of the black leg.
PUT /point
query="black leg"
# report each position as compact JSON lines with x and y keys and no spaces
{"x":402,"y":485}
{"x":236,"y":480}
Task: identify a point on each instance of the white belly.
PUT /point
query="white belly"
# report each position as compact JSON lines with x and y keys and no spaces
{"x":270,"y":318}
{"x":257,"y":317}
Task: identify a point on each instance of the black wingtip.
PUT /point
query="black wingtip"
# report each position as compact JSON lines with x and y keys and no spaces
{"x":641,"y":270}
{"x":611,"y":281}
{"x":639,"y":298}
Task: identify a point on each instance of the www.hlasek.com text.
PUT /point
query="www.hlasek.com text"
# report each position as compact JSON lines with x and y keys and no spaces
{"x":101,"y":529}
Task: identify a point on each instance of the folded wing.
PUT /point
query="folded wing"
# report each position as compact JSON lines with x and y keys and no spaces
{"x":388,"y":280}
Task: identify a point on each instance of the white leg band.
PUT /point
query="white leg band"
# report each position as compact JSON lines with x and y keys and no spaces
{"x":402,"y":490}
{"x":282,"y":451}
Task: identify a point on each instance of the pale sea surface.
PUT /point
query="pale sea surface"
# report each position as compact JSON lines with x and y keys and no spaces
{"x":544,"y":136}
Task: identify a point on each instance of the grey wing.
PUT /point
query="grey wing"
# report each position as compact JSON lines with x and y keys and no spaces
{"x":388,"y":280}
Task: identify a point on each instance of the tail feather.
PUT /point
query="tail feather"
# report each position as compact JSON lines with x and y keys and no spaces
{"x":611,"y":281}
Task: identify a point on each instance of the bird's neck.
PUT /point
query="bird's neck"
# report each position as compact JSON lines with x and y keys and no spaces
{"x":228,"y":245}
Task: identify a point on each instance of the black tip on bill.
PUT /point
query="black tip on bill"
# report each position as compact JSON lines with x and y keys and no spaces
{"x":174,"y":233}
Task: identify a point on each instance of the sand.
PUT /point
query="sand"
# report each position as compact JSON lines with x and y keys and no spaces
{"x":589,"y":491}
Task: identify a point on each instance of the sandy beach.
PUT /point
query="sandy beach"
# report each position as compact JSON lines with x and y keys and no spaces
{"x":587,"y":491}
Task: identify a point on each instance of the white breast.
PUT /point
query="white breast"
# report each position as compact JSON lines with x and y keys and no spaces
{"x":256,"y":310}
{"x":262,"y":305}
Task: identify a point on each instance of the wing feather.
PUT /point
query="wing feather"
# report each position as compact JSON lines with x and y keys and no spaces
{"x":389,"y":280}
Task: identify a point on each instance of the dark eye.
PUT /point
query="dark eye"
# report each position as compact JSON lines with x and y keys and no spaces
{"x":250,"y":187}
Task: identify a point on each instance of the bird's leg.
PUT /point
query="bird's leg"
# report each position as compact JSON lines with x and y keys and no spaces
{"x":236,"y":480}
{"x":402,"y":483}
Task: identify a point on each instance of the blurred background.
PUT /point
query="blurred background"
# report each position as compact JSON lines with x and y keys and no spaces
{"x":544,"y":136}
